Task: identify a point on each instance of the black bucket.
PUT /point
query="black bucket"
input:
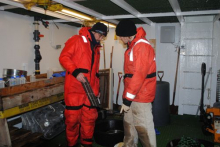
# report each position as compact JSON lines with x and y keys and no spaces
{"x":102,"y":114}
{"x":109,"y":132}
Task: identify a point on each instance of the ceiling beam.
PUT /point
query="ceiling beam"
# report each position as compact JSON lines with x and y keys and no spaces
{"x":158,"y":14}
{"x":130,"y":9}
{"x":42,"y":11}
{"x":6,"y":7}
{"x":119,"y":16}
{"x":75,"y":6}
{"x":176,"y":8}
{"x":200,"y":12}
{"x":140,"y":15}
{"x":216,"y":17}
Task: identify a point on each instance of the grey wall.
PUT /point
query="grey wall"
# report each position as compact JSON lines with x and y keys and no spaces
{"x":17,"y":44}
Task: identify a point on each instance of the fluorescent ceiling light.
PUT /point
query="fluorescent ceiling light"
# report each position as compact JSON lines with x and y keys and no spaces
{"x":75,"y":14}
{"x":81,"y":16}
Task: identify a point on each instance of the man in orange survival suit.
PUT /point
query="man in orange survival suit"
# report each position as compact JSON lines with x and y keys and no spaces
{"x":80,"y":57}
{"x":139,"y":85}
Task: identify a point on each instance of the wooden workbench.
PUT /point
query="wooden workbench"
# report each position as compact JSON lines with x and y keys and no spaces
{"x":26,"y":97}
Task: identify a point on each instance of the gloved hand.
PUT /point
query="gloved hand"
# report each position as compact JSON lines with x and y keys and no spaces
{"x":124,"y":108}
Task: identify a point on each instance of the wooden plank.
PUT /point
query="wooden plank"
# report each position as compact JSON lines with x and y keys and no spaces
{"x":19,"y":134}
{"x":31,"y":96}
{"x":8,"y":91}
{"x":5,"y":139}
{"x":40,"y":76}
{"x":104,"y":70}
{"x":29,"y":141}
{"x":12,"y":129}
{"x":1,"y":104}
{"x":35,"y":143}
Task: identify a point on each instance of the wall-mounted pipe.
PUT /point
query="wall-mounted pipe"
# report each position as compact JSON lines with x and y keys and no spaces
{"x":38,"y":56}
{"x":36,"y":38}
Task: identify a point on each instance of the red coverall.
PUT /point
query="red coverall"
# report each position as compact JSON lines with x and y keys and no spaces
{"x":139,"y":91}
{"x":78,"y":56}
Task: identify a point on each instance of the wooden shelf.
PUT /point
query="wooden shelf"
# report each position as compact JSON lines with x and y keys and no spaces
{"x":8,"y":91}
{"x":19,"y":99}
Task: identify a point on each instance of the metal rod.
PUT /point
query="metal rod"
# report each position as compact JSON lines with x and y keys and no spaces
{"x":89,"y":92}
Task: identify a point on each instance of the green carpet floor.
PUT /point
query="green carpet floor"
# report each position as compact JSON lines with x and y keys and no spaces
{"x":180,"y":126}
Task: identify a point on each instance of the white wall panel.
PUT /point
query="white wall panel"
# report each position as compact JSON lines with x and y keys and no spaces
{"x":166,"y":58}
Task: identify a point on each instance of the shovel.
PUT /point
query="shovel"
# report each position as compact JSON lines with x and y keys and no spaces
{"x":160,"y":76}
{"x":116,"y":107}
{"x":174,"y":109}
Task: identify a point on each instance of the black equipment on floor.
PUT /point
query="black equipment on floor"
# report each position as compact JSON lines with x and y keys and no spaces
{"x":48,"y":120}
{"x":161,"y":104}
{"x":206,"y":118}
{"x":197,"y":142}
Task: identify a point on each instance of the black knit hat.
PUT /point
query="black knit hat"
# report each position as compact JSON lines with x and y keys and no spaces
{"x":100,"y":28}
{"x":126,"y":28}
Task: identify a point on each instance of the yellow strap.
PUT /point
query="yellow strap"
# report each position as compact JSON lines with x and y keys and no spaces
{"x":30,"y":106}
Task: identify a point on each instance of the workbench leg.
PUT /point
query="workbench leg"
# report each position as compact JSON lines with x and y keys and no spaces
{"x":5,"y":139}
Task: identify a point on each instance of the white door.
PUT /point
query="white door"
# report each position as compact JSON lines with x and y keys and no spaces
{"x":196,"y":48}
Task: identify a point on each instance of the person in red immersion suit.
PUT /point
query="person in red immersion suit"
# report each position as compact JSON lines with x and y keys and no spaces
{"x":80,"y":57}
{"x":139,"y":85}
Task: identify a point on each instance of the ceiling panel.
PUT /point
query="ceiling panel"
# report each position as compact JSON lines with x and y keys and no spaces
{"x":105,"y":7}
{"x":151,"y":6}
{"x":135,"y":20}
{"x":199,"y":5}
